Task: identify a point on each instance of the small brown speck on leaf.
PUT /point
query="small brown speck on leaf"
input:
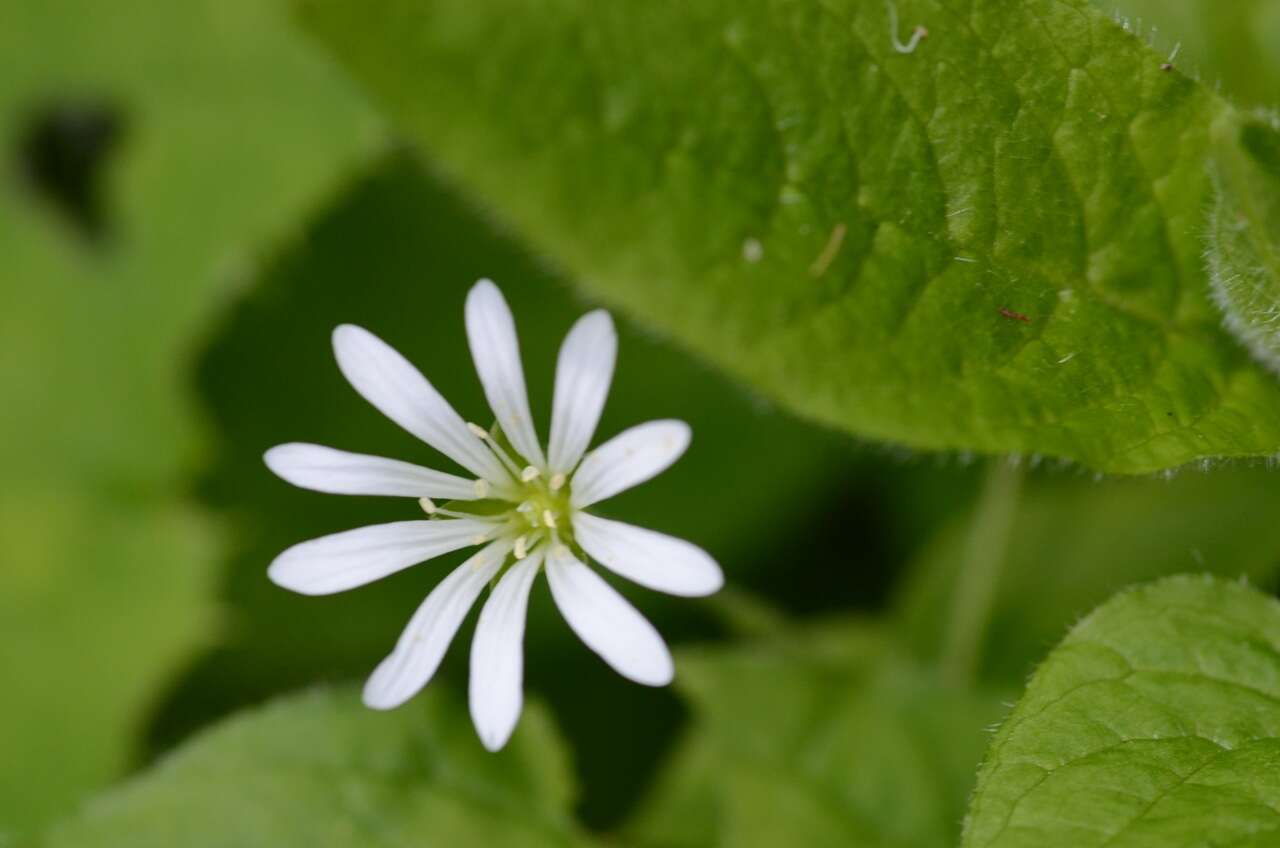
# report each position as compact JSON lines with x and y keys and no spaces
{"x":1014,"y":316}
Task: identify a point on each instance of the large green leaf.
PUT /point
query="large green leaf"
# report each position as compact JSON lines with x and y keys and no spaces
{"x":229,"y":128}
{"x":829,"y":741}
{"x":321,"y":771}
{"x":1072,"y":543}
{"x":1156,"y":722}
{"x":989,"y":243}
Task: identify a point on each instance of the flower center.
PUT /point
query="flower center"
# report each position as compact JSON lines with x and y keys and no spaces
{"x":528,"y":508}
{"x":543,"y":511}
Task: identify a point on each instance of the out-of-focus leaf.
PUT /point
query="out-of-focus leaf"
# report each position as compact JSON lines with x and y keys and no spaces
{"x":322,"y":771}
{"x":1242,"y":245}
{"x":1230,"y":45}
{"x":1076,"y":542}
{"x":826,"y":742}
{"x":988,"y":242}
{"x":683,"y":807}
{"x":397,"y":254}
{"x":1156,"y":722}
{"x":186,"y":131}
{"x":101,"y":598}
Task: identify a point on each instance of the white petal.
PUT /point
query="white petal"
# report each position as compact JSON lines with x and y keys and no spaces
{"x":422,"y":646}
{"x":356,"y":557}
{"x":606,"y":622}
{"x":497,"y":655}
{"x":387,"y":380}
{"x":628,"y":459}
{"x":491,"y":332}
{"x":342,"y":473}
{"x":652,"y":559}
{"x":583,"y":373}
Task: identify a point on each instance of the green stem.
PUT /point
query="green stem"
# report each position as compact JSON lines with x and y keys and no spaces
{"x":984,"y":556}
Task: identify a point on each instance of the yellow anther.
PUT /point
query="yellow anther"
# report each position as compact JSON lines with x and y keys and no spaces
{"x":428,"y":505}
{"x":529,"y":474}
{"x":557,"y":481}
{"x":521,"y":550}
{"x":482,"y":488}
{"x":549,"y":518}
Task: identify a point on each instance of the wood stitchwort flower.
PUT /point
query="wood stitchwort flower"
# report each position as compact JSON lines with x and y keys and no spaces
{"x":525,"y":510}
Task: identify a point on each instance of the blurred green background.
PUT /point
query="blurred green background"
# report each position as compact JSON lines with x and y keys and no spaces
{"x":192,"y":196}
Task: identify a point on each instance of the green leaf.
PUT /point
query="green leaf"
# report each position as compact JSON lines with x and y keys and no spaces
{"x":322,"y":771}
{"x":818,"y":741}
{"x":1243,"y":243}
{"x":1156,"y":722}
{"x":857,"y":231}
{"x":100,"y":601}
{"x":1073,"y":543}
{"x":228,"y":127}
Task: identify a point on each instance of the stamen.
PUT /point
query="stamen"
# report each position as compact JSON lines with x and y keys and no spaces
{"x":534,"y":542}
{"x":549,"y":518}
{"x":482,"y":489}
{"x":496,"y":448}
{"x":529,"y":474}
{"x":557,"y":480}
{"x":520,"y":549}
{"x":430,"y":508}
{"x":470,"y":516}
{"x":525,"y":506}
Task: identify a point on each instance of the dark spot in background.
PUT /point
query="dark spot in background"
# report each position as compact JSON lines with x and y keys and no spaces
{"x":62,"y":154}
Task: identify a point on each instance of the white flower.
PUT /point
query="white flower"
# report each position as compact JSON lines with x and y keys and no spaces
{"x":526,"y":509}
